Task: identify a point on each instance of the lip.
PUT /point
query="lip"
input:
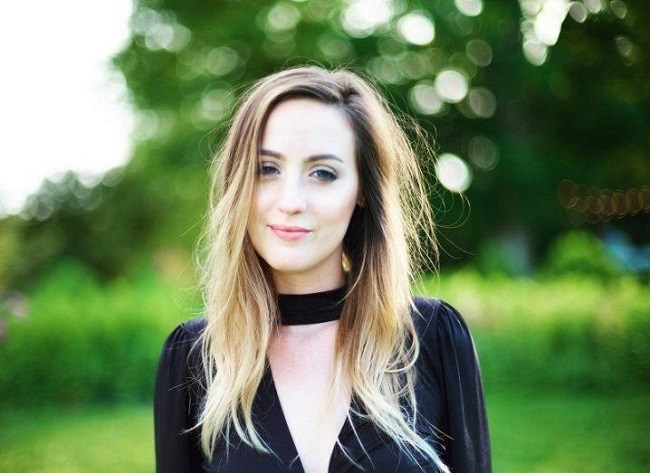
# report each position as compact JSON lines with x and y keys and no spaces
{"x":289,"y":233}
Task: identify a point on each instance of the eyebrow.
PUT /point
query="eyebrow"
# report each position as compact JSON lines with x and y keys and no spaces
{"x":313,"y":157}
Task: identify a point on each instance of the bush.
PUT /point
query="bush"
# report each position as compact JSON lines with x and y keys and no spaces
{"x":572,"y":332}
{"x":82,"y":342}
{"x":580,"y":252}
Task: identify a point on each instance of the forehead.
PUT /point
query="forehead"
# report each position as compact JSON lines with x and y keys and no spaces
{"x":302,"y":127}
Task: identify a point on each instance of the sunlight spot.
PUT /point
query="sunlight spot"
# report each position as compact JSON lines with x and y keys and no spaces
{"x":535,"y":52}
{"x":282,"y":17}
{"x":451,"y":85}
{"x":482,"y":102}
{"x":416,"y":28}
{"x":578,"y":11}
{"x":362,"y":17}
{"x":453,"y":173}
{"x":469,"y":7}
{"x":424,"y":99}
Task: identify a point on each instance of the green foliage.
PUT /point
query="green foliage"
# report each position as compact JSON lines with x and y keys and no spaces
{"x":508,"y":256}
{"x":187,"y":62}
{"x":83,"y":342}
{"x":580,"y":252}
{"x":571,"y":333}
{"x":87,"y":342}
{"x":114,"y":227}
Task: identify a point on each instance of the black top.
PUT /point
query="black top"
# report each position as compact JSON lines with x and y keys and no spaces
{"x":448,"y":390}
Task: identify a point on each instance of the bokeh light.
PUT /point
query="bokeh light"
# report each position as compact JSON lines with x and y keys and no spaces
{"x":542,"y":25}
{"x":535,"y":52}
{"x":626,"y":48}
{"x":469,"y":7}
{"x":413,"y":65}
{"x":222,"y":61}
{"x":333,"y":46}
{"x":592,"y":204}
{"x":424,"y":99}
{"x":160,"y":31}
{"x":594,"y":6}
{"x":483,"y":152}
{"x":618,"y":8}
{"x":479,"y":52}
{"x":362,"y":17}
{"x":578,"y":11}
{"x":214,"y":105}
{"x":416,"y":28}
{"x":482,"y":102}
{"x":451,"y":85}
{"x":282,"y":16}
{"x":548,"y":22}
{"x":453,"y":173}
{"x":386,"y":70}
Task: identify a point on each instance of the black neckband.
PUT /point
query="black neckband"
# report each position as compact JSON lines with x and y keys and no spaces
{"x":315,"y":308}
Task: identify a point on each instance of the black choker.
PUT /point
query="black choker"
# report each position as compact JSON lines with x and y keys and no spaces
{"x":315,"y":308}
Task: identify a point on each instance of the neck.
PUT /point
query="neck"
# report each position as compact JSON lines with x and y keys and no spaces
{"x":299,"y":284}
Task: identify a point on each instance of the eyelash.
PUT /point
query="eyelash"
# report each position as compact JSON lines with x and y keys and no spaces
{"x":266,"y":170}
{"x":323,"y":175}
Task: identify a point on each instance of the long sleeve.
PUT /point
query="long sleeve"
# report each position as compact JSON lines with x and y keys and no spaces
{"x":177,"y":451}
{"x":463,"y":415}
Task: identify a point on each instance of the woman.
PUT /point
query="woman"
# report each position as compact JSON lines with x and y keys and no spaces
{"x":313,"y":355}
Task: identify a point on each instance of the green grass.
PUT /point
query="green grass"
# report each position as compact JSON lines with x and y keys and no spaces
{"x":544,"y":432}
{"x":97,"y":440}
{"x":532,"y":433}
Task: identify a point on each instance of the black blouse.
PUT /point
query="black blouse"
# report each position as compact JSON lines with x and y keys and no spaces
{"x":451,"y":411}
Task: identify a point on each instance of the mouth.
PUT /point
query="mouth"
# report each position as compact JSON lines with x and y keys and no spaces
{"x":289,"y":233}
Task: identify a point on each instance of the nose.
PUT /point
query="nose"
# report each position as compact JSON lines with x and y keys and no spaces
{"x":292,"y":198}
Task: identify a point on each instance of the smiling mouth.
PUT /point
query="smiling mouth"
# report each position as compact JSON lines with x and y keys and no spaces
{"x":289,"y":233}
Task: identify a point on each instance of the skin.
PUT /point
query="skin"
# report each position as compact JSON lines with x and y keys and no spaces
{"x":307,"y":179}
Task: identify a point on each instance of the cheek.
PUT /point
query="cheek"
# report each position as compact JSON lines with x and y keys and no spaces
{"x":256,"y":219}
{"x":338,"y":216}
{"x":259,"y":205}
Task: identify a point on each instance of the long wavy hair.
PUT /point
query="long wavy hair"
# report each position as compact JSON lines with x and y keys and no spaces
{"x":376,"y":345}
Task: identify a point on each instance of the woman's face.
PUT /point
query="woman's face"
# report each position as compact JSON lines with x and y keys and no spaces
{"x":307,"y":188}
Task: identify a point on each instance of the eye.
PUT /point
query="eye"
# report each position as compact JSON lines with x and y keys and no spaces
{"x":267,"y":169}
{"x":325,"y":175}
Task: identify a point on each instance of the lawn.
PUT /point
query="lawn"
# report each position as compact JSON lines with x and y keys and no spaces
{"x":532,"y":433}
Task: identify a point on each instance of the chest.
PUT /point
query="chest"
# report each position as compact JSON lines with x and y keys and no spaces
{"x":314,"y":409}
{"x":284,"y":409}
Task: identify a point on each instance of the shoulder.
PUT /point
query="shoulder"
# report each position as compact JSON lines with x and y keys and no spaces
{"x":193,"y":327}
{"x":181,"y":343}
{"x":439,"y":324}
{"x":186,"y":332}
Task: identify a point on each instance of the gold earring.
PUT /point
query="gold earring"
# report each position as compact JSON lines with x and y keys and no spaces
{"x":361,"y":202}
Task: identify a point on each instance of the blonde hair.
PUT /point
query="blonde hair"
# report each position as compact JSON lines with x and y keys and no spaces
{"x":377,"y":345}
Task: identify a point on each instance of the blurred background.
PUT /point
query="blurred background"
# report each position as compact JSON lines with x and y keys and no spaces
{"x":539,"y":113}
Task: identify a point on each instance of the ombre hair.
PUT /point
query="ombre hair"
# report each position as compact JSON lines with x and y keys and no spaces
{"x":383,"y":248}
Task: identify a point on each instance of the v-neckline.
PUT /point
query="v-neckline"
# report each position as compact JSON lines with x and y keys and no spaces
{"x":345,"y":430}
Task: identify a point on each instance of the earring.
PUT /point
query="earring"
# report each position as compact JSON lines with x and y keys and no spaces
{"x":361,"y":202}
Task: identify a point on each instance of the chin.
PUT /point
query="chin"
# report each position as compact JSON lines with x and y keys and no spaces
{"x":288,"y":267}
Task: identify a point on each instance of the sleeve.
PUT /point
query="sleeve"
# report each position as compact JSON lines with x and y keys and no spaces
{"x":463,"y":406}
{"x":177,"y":451}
